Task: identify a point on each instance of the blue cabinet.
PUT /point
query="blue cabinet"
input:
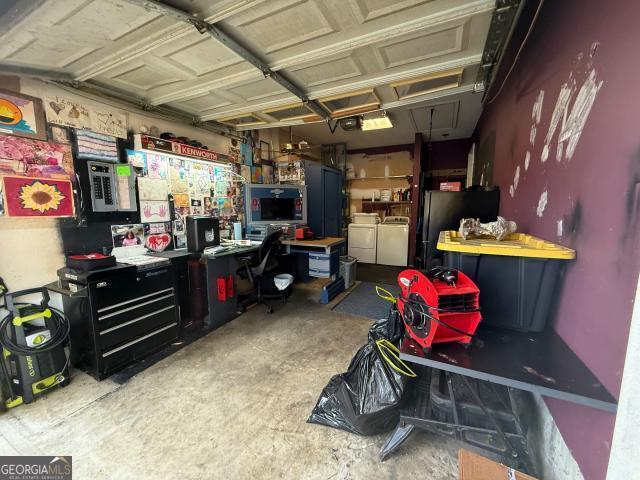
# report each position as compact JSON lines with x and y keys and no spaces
{"x":324,"y":199}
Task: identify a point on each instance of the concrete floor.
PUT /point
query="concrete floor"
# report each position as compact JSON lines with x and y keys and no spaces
{"x":231,"y":405}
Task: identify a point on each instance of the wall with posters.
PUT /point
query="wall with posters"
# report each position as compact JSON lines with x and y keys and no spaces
{"x":32,"y":248}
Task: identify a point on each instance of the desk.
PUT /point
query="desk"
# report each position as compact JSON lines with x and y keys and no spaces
{"x":323,"y":255}
{"x":325,"y":244}
{"x":221,"y":266}
{"x":536,"y":362}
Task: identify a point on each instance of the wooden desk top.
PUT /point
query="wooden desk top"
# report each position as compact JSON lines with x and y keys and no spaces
{"x":323,"y":243}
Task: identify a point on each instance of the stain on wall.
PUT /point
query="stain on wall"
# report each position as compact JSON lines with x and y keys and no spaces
{"x":579,"y":185}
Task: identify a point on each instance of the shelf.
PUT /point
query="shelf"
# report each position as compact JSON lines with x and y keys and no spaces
{"x":390,"y":177}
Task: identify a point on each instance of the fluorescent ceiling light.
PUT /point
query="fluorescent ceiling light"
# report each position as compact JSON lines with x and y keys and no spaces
{"x":376,"y":122}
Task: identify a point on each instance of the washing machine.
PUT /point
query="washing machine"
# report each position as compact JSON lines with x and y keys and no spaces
{"x":363,"y":241}
{"x":393,"y":241}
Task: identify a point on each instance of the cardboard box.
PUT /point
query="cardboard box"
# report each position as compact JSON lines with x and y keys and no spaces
{"x":472,"y":466}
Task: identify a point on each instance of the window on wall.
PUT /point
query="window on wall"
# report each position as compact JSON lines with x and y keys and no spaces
{"x":352,"y":103}
{"x":292,"y":112}
{"x":244,"y":120}
{"x":428,"y":83}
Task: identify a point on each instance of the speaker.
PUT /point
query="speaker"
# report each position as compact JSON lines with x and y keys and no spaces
{"x":202,"y":232}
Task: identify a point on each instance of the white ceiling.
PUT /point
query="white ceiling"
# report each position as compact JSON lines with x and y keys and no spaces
{"x":327,"y":47}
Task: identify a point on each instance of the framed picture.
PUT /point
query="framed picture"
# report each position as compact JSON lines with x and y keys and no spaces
{"x":21,"y":115}
{"x":265,"y":151}
{"x":256,"y":174}
{"x":37,"y":197}
{"x":127,"y":235}
{"x":59,"y":134}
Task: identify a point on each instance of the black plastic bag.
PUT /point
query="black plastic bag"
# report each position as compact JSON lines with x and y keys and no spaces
{"x":365,"y":399}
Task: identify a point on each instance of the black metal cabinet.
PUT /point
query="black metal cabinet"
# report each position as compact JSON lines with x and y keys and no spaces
{"x":119,"y":315}
{"x":324,"y":199}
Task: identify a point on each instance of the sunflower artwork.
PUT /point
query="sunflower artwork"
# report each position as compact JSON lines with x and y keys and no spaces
{"x":37,"y":197}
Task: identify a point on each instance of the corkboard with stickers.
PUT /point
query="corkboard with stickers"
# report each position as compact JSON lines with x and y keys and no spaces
{"x":198,"y":187}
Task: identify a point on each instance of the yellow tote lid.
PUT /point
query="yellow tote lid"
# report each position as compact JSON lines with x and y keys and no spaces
{"x":515,"y":245}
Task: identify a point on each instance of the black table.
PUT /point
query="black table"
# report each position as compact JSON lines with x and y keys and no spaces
{"x":220,"y":266}
{"x":536,"y":362}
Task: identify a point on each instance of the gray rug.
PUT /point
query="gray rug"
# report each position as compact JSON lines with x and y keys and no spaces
{"x":364,"y":302}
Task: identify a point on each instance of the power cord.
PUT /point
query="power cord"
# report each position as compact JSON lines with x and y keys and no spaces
{"x":58,"y":337}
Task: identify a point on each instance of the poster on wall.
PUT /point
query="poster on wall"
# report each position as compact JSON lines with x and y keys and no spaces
{"x":157,"y":166}
{"x":181,"y":200}
{"x":245,"y":171}
{"x":21,"y":115}
{"x":77,"y":114}
{"x":178,"y":176}
{"x":96,"y":146}
{"x":208,"y":205}
{"x":200,"y":181}
{"x":196,"y":207}
{"x":127,"y":235}
{"x":157,"y":236}
{"x":265,"y":151}
{"x":137,"y":158}
{"x":234,"y":151}
{"x":267,"y":174}
{"x":37,"y":197}
{"x":32,"y":158}
{"x":256,"y":174}
{"x":246,"y":154}
{"x":59,"y":134}
{"x":154,"y":211}
{"x":152,"y":189}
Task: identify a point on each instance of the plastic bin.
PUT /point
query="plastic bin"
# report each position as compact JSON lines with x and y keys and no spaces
{"x":518,"y":277}
{"x":348,"y":270}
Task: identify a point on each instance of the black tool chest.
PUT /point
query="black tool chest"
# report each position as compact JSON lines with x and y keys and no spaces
{"x":118,"y":315}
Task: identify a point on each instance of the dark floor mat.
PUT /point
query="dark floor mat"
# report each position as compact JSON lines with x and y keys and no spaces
{"x":369,"y":272}
{"x":123,"y":376}
{"x":364,"y":302}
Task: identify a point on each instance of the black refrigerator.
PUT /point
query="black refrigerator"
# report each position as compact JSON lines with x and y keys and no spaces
{"x":443,"y":211}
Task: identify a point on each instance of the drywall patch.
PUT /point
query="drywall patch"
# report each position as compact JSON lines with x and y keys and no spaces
{"x":572,"y":128}
{"x":559,"y":228}
{"x":559,"y":149}
{"x":527,"y":160}
{"x":542,"y":203}
{"x":536,"y":112}
{"x":532,"y":135}
{"x":559,"y":111}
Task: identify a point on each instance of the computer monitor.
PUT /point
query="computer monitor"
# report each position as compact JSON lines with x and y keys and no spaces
{"x":266,"y":204}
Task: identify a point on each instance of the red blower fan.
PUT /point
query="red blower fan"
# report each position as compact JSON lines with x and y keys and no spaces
{"x":438,"y":308}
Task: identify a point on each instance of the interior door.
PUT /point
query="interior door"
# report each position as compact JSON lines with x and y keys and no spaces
{"x":332,"y":199}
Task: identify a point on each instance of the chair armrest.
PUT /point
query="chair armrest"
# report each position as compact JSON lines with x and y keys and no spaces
{"x":245,"y":260}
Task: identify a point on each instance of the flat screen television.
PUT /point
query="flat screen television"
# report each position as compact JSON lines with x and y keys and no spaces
{"x":266,"y":204}
{"x":278,"y":208}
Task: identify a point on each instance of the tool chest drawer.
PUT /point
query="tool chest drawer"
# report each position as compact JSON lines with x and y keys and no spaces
{"x":129,"y":287}
{"x":136,"y":327}
{"x":139,"y":306}
{"x":117,"y":357}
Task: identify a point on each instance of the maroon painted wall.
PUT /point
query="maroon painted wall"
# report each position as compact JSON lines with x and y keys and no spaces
{"x":448,"y":154}
{"x":595,"y":194}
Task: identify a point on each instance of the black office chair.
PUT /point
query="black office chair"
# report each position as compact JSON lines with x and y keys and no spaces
{"x":260,"y":271}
